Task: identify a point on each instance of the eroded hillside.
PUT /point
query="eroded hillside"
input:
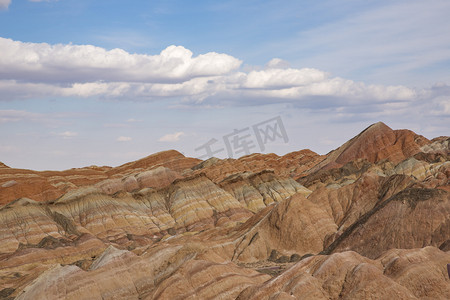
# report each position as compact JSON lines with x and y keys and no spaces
{"x":370,"y":219}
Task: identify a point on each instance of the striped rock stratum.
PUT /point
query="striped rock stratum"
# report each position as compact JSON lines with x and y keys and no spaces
{"x":369,"y":220}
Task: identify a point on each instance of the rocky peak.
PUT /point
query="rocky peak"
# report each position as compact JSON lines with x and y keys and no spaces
{"x":375,"y":143}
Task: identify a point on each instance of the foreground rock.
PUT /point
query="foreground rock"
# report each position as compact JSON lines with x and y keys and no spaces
{"x":398,"y":274}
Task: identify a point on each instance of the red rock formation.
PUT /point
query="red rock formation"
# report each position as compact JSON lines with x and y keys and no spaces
{"x":369,"y":220}
{"x":411,"y":218}
{"x":49,"y":185}
{"x":375,"y":143}
{"x":295,"y":225}
{"x":293,"y":164}
{"x":398,"y":274}
{"x":171,"y":159}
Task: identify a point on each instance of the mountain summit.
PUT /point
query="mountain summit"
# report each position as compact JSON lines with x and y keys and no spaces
{"x":375,"y":143}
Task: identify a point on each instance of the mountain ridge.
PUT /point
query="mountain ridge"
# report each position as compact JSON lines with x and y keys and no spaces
{"x":302,"y":225}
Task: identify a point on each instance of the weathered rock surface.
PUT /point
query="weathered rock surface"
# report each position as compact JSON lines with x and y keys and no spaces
{"x":256,"y":191}
{"x":173,"y":273}
{"x":294,"y":164}
{"x":375,"y":143}
{"x":399,"y":274}
{"x":295,"y":225}
{"x":409,"y":219}
{"x":49,"y":185}
{"x":369,"y":220}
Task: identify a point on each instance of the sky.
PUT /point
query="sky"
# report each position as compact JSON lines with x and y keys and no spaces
{"x":107,"y":82}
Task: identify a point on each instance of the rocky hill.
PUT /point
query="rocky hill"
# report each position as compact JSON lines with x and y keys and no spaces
{"x":370,"y":219}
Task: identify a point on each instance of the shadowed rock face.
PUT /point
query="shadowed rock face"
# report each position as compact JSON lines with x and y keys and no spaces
{"x":256,"y":191}
{"x":369,"y":220}
{"x":418,"y":216}
{"x":398,"y":274}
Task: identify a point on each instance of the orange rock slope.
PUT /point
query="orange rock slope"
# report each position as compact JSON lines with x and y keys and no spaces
{"x":48,"y":185}
{"x":369,"y":220}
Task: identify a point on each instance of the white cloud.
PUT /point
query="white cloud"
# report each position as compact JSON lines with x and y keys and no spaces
{"x":42,"y":70}
{"x":41,"y":62}
{"x":124,"y":139}
{"x":277,"y":63}
{"x":171,"y":137}
{"x":283,"y":78}
{"x":67,"y":134}
{"x":31,"y":70}
{"x":4,"y":4}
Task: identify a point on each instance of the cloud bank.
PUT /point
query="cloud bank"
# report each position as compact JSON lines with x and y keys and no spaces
{"x":40,"y":70}
{"x":41,"y":62}
{"x":30,"y":70}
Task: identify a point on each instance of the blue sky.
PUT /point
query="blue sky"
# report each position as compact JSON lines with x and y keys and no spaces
{"x":106,"y":82}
